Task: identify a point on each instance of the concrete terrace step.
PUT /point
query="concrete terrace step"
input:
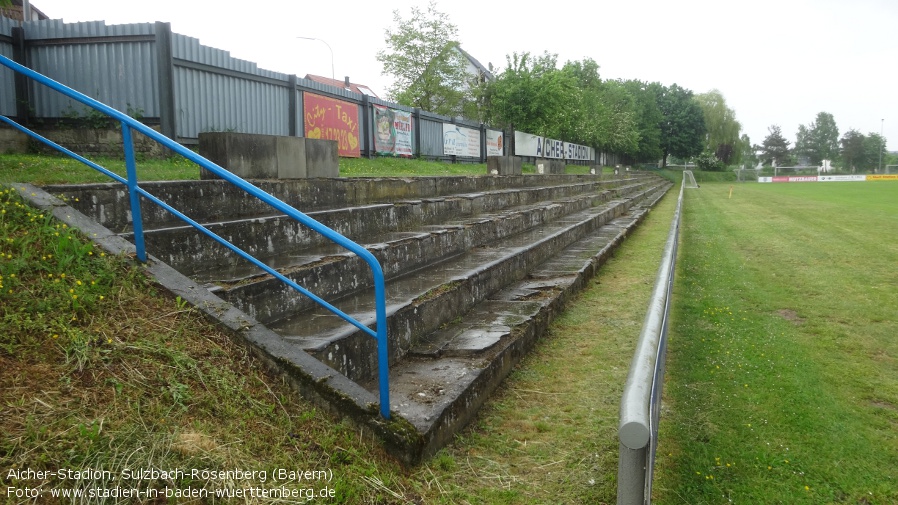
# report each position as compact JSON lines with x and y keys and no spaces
{"x":448,"y":375}
{"x":418,"y":304}
{"x":334,"y":273}
{"x":212,"y":201}
{"x":477,"y":268}
{"x":274,"y":238}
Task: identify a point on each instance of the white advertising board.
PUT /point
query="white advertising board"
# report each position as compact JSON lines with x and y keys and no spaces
{"x":460,"y":141}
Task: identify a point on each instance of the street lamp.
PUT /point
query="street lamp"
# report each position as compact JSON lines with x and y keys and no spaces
{"x":329,"y":48}
{"x":882,"y":122}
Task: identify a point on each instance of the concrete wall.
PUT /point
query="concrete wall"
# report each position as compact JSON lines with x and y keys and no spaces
{"x":84,"y":141}
{"x":12,"y":141}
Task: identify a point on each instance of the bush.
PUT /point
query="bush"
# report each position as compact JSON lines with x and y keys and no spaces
{"x":709,"y":163}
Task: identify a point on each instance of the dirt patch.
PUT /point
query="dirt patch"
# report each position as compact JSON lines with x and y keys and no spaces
{"x":791,"y":316}
{"x":883,"y":404}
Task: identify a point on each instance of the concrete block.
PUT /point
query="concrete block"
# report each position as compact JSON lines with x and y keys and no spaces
{"x":321,"y":158}
{"x":249,"y":156}
{"x":291,"y":158}
{"x":253,"y":156}
{"x":503,"y":165}
{"x":547,"y":166}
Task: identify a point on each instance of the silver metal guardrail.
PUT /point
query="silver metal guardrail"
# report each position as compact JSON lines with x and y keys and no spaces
{"x":641,"y":403}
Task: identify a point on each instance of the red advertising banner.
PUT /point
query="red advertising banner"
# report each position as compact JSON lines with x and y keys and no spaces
{"x":332,"y":119}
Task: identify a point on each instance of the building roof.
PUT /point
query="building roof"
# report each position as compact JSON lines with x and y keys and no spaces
{"x":487,"y":73}
{"x":345,"y":84}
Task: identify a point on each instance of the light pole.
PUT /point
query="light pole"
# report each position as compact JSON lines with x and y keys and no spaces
{"x":882,"y":123}
{"x":328,"y":47}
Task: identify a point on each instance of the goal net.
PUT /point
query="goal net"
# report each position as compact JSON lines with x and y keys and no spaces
{"x":689,"y":179}
{"x":747,"y":174}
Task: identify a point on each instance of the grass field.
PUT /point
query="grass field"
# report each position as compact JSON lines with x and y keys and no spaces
{"x":782,"y":382}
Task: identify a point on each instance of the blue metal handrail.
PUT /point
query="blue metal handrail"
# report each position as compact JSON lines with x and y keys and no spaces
{"x":135,"y":191}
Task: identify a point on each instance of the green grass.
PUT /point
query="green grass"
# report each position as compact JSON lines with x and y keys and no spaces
{"x":43,"y":169}
{"x":782,"y":381}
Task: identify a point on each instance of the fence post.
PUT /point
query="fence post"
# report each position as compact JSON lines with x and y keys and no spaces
{"x":23,"y":111}
{"x":366,"y":122}
{"x":165,"y":70}
{"x":291,"y":105}
{"x":416,"y":115}
{"x":482,"y":143}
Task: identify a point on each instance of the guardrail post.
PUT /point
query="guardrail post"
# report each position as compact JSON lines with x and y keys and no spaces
{"x":631,"y":476}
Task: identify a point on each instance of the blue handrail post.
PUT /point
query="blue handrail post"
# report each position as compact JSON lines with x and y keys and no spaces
{"x":136,"y":215}
{"x":383,"y":348}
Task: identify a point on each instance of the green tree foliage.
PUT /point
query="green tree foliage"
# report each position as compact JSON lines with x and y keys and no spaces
{"x":648,"y":119}
{"x":818,"y":141}
{"x":862,"y":152}
{"x":775,"y":149}
{"x":532,"y":95}
{"x":723,"y":128}
{"x":429,"y":71}
{"x":683,"y":125}
{"x":853,"y":150}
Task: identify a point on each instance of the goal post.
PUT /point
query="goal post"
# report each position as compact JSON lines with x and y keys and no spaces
{"x":689,"y":180}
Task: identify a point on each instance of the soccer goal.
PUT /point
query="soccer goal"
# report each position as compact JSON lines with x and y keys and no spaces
{"x":747,"y":174}
{"x":689,"y":179}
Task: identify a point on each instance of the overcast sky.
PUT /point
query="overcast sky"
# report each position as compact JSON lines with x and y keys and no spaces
{"x":776,"y":61}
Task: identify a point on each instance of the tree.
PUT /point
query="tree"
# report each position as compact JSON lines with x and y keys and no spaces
{"x":854,"y":153}
{"x":648,"y":119}
{"x":723,"y":128}
{"x":818,"y":141}
{"x":775,"y":148}
{"x":534,"y":96}
{"x":875,"y":149}
{"x":422,"y":57}
{"x":683,"y":124}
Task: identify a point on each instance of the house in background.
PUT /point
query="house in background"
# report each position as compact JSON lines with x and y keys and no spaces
{"x":476,"y":69}
{"x":345,"y":84}
{"x":15,"y":11}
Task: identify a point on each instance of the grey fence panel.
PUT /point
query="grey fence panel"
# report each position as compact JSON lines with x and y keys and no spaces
{"x":209,"y":101}
{"x":7,"y":76}
{"x":119,"y":71}
{"x":216,"y":92}
{"x":431,"y":138}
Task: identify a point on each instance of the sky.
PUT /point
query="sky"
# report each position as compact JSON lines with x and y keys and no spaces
{"x":777,"y":62}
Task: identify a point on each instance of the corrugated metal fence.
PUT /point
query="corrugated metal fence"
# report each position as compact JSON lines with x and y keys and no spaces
{"x":173,"y":81}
